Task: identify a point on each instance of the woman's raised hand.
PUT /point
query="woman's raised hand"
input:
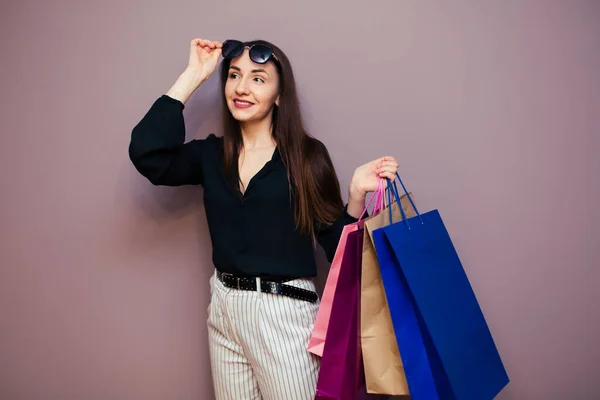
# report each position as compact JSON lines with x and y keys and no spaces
{"x":204,"y":57}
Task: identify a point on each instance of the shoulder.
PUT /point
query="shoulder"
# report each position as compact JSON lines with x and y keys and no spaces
{"x":315,"y":150}
{"x":210,"y":146}
{"x":212,"y":142}
{"x":318,"y":161}
{"x":214,"y":139}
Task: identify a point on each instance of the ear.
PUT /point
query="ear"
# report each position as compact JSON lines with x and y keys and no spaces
{"x":277,"y":101}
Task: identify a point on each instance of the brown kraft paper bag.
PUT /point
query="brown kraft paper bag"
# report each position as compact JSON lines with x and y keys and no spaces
{"x":384,"y":371}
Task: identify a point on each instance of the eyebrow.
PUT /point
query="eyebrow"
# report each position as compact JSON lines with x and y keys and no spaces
{"x":253,"y":71}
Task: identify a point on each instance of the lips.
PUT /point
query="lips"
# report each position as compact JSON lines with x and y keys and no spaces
{"x":238,"y":103}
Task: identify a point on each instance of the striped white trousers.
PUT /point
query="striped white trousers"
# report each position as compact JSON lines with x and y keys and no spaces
{"x":258,"y":344}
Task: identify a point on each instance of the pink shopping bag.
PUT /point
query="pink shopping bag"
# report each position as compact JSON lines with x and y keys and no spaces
{"x":319,"y":332}
{"x":317,"y":339}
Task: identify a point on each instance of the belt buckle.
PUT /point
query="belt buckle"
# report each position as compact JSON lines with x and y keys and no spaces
{"x":275,"y":287}
{"x":237,"y":279}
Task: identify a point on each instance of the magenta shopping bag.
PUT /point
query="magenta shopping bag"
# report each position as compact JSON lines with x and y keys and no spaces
{"x":319,"y":332}
{"x":341,"y":375}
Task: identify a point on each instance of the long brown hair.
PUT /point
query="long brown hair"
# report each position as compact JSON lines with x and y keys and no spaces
{"x":314,"y":185}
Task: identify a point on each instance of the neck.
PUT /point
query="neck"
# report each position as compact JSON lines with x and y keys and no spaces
{"x":257,"y":133}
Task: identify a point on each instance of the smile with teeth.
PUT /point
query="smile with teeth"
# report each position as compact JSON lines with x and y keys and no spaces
{"x":241,"y":103}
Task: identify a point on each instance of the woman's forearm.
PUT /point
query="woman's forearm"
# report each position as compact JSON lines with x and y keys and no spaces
{"x":186,"y":85}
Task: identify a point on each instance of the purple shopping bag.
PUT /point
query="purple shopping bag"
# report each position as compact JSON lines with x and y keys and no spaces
{"x":341,"y":374}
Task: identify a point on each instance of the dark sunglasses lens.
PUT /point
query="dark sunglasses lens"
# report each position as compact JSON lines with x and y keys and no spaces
{"x":232,"y":48}
{"x":260,"y":54}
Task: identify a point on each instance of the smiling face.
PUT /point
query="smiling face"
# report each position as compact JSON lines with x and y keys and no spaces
{"x":251,"y":89}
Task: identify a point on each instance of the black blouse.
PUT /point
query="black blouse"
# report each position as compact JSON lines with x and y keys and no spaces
{"x":252,"y":234}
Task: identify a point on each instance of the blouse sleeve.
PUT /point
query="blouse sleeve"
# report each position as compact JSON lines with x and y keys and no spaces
{"x":329,"y":236}
{"x":157,"y":148}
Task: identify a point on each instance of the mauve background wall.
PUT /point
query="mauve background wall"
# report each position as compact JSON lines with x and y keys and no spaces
{"x":491,"y":109}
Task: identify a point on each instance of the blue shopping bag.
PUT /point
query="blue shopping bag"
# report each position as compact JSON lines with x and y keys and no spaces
{"x":444,"y":340}
{"x":411,"y":338}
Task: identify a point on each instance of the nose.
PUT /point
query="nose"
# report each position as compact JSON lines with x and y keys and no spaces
{"x":242,"y":87}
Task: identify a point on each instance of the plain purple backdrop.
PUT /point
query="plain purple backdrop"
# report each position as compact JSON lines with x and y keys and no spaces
{"x":491,"y":108}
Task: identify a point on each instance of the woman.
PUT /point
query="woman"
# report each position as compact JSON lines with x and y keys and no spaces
{"x":270,"y":193}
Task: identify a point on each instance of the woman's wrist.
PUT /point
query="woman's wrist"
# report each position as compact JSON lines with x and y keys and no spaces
{"x":355,"y":192}
{"x":196,"y":76}
{"x":186,"y":85}
{"x":356,"y":201}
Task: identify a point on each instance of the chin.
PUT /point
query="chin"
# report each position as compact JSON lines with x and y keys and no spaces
{"x":241,"y":117}
{"x":244,"y":116}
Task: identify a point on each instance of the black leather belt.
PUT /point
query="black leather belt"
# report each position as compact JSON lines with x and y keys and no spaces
{"x":266,"y":286}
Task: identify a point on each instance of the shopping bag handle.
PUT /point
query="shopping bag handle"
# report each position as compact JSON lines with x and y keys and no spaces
{"x":388,"y":192}
{"x":380,"y":204}
{"x":378,"y":195}
{"x":394,"y":189}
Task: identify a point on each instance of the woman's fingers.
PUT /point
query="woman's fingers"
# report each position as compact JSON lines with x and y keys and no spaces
{"x":215,"y":53}
{"x":207,"y":43}
{"x":388,"y":164}
{"x":388,"y":175}
{"x":386,"y":158}
{"x":386,"y":167}
{"x":386,"y":161}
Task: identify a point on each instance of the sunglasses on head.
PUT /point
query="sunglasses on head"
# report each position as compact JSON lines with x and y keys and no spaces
{"x":259,"y":53}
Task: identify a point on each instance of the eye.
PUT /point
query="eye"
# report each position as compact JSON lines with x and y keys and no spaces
{"x":233,"y":75}
{"x":259,"y":79}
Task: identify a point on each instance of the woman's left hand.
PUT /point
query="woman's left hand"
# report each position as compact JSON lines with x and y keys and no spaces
{"x":365,"y":177}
